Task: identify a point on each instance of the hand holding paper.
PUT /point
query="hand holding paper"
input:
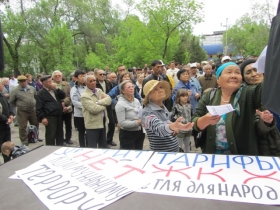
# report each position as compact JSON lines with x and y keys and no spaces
{"x":220,"y":110}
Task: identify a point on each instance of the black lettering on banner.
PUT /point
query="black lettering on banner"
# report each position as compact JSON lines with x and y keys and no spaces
{"x":70,"y":200}
{"x":58,"y":159}
{"x":271,"y":193}
{"x":57,"y":186}
{"x":167,"y":183}
{"x":60,"y":194}
{"x":108,"y":185}
{"x":40,"y":175}
{"x":200,"y":186}
{"x":91,"y":180}
{"x":245,"y":191}
{"x":98,"y":183}
{"x":177,"y":185}
{"x":191,"y":188}
{"x":86,"y":176}
{"x":158,"y":180}
{"x":235,"y":190}
{"x":75,"y":168}
{"x":254,"y":192}
{"x":221,"y":191}
{"x":44,"y":166}
{"x":210,"y":188}
{"x":79,"y":172}
{"x":64,"y":162}
{"x":89,"y":206}
{"x":65,"y":165}
{"x":50,"y":180}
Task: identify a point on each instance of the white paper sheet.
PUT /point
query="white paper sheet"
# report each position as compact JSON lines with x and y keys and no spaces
{"x":220,"y":110}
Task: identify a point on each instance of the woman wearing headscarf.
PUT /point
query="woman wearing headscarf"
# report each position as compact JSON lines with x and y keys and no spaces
{"x":268,"y":137}
{"x":160,"y":130}
{"x":234,"y":132}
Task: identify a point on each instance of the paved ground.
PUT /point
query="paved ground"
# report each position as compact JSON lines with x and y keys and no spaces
{"x":15,"y":139}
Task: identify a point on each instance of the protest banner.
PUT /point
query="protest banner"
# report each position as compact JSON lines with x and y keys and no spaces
{"x":222,"y":177}
{"x":74,"y":178}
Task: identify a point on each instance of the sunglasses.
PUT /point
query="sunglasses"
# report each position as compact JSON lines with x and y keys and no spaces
{"x":101,"y":74}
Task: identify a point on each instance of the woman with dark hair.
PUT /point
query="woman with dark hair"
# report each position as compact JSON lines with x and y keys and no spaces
{"x":186,"y":83}
{"x":268,"y":138}
{"x":38,"y":83}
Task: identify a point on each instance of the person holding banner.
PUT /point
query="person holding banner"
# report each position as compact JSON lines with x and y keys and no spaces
{"x":234,"y":132}
{"x":268,"y":138}
{"x":160,"y":130}
{"x":129,"y":111}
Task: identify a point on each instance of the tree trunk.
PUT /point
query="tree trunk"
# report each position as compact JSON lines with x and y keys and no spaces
{"x":165,"y":47}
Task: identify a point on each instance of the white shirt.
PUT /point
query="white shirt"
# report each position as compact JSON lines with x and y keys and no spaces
{"x":12,"y":84}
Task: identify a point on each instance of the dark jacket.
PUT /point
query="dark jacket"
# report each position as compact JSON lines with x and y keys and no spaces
{"x":108,"y":86}
{"x":268,"y":138}
{"x":46,"y":105}
{"x":6,"y":111}
{"x":240,"y":129}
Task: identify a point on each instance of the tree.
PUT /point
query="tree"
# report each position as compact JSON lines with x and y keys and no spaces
{"x":197,"y":54}
{"x":247,"y":36}
{"x":14,"y":30}
{"x":166,"y":17}
{"x":59,"y":48}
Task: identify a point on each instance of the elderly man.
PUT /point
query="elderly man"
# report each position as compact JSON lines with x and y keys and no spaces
{"x":208,"y":80}
{"x":112,"y":77}
{"x":194,"y":71}
{"x":121,"y":69}
{"x":12,"y":85}
{"x":66,"y":105}
{"x":49,"y":110}
{"x":5,"y":92}
{"x":23,"y":97}
{"x":106,"y":86}
{"x":94,"y":102}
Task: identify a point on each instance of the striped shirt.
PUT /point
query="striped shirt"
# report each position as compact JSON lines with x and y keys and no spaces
{"x":156,"y":122}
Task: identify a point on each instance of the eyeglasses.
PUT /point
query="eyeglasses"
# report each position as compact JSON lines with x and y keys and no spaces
{"x":101,"y":74}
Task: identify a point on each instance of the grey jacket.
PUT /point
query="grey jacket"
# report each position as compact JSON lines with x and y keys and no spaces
{"x":75,"y":95}
{"x":128,"y":112}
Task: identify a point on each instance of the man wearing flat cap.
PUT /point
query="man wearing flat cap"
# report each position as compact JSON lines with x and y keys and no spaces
{"x":49,"y":110}
{"x":23,"y":97}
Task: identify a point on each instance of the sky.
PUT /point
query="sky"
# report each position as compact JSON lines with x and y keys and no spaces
{"x":217,"y":11}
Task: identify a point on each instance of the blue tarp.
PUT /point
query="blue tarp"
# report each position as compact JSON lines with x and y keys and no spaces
{"x":213,"y":49}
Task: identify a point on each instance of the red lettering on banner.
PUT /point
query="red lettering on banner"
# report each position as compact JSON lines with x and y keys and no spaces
{"x":212,"y":173}
{"x":170,"y":170}
{"x":260,"y":176}
{"x":131,"y":168}
{"x":101,"y":162}
{"x":86,"y":157}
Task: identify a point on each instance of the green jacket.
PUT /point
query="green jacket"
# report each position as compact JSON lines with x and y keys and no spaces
{"x":240,"y":129}
{"x":23,"y":100}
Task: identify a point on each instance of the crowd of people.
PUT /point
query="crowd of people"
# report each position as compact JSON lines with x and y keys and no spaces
{"x":168,"y":103}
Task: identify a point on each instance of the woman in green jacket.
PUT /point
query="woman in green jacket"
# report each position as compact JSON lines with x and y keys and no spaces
{"x":232,"y":133}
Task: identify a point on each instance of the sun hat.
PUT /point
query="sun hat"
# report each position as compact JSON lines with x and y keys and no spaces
{"x":149,"y":86}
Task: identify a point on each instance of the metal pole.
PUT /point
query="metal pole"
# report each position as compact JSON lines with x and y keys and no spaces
{"x":226,"y":37}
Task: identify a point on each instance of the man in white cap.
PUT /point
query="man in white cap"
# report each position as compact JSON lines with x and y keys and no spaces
{"x":226,"y":59}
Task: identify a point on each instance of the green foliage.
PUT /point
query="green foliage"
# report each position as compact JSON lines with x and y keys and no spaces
{"x":93,"y":61}
{"x":59,"y":48}
{"x":248,"y":36}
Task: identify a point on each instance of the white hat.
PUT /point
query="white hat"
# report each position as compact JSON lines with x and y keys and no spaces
{"x":226,"y":58}
{"x":193,"y":65}
{"x":162,"y":62}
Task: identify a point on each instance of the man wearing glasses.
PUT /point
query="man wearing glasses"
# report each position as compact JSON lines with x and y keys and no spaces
{"x":106,"y":86}
{"x":66,"y":104}
{"x":23,"y":97}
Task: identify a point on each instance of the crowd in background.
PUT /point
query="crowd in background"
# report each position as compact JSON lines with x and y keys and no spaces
{"x":164,"y":102}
